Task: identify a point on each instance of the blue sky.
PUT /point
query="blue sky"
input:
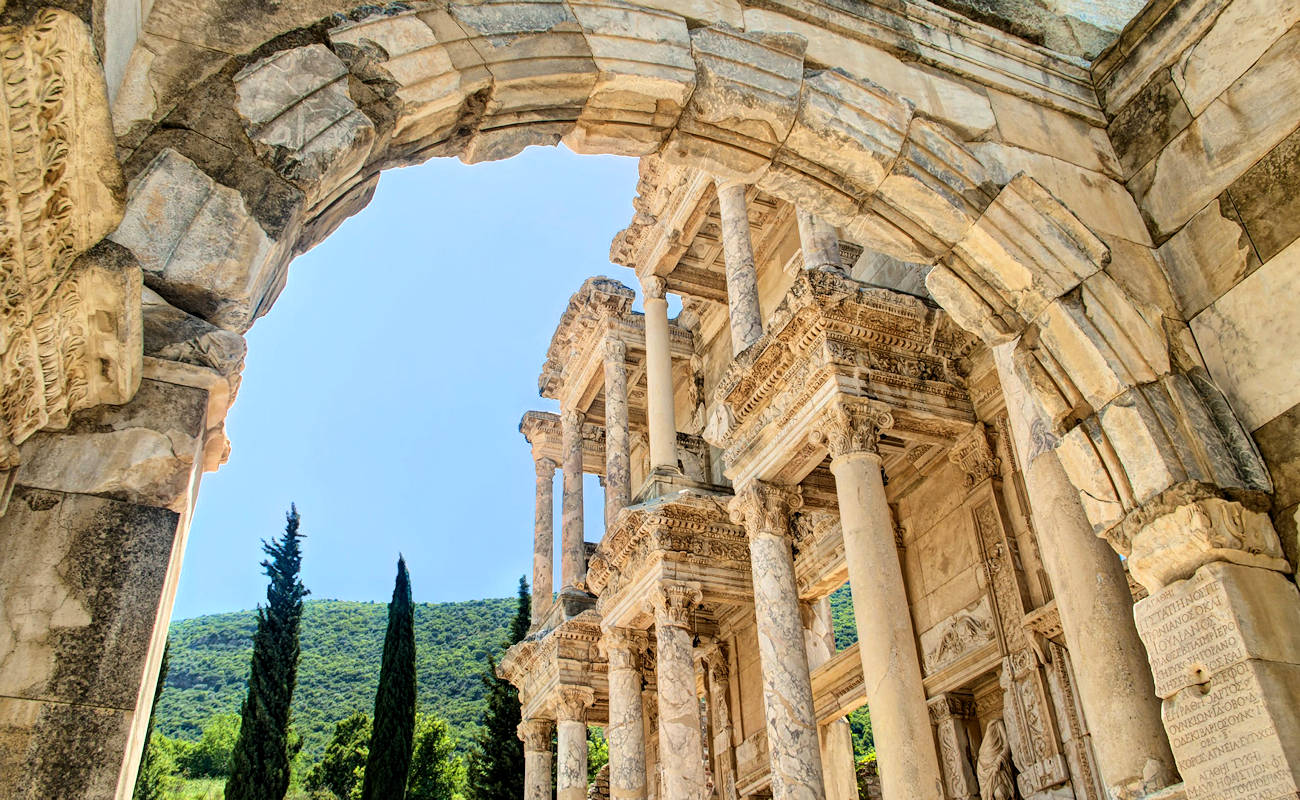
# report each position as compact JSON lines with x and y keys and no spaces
{"x":383,"y":391}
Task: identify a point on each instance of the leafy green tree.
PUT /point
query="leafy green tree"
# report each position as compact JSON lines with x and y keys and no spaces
{"x":496,"y":756}
{"x":260,"y":763}
{"x":391,"y":741}
{"x":340,"y":770}
{"x":437,"y":773}
{"x":864,"y":743}
{"x":597,"y":751}
{"x":209,"y":757}
{"x":155,"y":768}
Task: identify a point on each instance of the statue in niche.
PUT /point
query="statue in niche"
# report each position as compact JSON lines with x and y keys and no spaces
{"x":994,"y":768}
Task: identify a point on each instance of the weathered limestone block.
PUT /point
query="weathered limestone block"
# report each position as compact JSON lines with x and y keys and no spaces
{"x":156,"y":68}
{"x":745,"y":101}
{"x":1250,"y":352}
{"x":1224,"y":647}
{"x":143,"y":452}
{"x":645,"y":73}
{"x":1239,"y":36}
{"x":434,"y":74}
{"x":1176,"y":543}
{"x":1267,"y":200}
{"x":1036,"y":127}
{"x":69,"y":320}
{"x":1141,"y":129}
{"x":297,"y":112}
{"x":542,"y":73}
{"x":846,"y":135}
{"x":199,"y":246}
{"x":936,"y":189}
{"x":51,"y":749}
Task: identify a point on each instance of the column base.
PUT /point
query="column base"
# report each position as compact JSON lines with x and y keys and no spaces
{"x":663,"y":482}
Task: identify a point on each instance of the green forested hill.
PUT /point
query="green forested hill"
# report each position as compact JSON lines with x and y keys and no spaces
{"x":342,"y":643}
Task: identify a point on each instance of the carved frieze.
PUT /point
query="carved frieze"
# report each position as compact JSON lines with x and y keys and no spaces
{"x":70,"y":320}
{"x":960,"y":635}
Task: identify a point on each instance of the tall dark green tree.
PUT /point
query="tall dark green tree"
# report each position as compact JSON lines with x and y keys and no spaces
{"x":394,"y":726}
{"x":260,"y":764}
{"x":150,"y":782}
{"x":495,"y":762}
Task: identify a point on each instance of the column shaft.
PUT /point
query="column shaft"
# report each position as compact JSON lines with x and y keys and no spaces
{"x":909,"y":765}
{"x":838,"y":764}
{"x":659,"y":378}
{"x":792,"y":743}
{"x":820,"y":242}
{"x":1096,"y":607}
{"x":571,"y":742}
{"x":536,"y":734}
{"x":618,"y":467}
{"x":681,"y":748}
{"x":742,"y":275}
{"x":626,"y":729}
{"x":573,"y":557}
{"x":544,"y":541}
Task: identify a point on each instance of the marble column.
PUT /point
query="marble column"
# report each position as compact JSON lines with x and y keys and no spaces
{"x":838,"y":764}
{"x":572,"y":546}
{"x":718,"y":686}
{"x":792,"y":742}
{"x":1095,"y":603}
{"x":659,"y":377}
{"x":571,"y":706}
{"x":742,"y":275}
{"x":820,"y":242}
{"x":618,"y":464}
{"x":891,"y":669}
{"x":949,"y":714}
{"x":681,"y":747}
{"x":626,"y":729}
{"x":544,"y":541}
{"x":536,"y":735}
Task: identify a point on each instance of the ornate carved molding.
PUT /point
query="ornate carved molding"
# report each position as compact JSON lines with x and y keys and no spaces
{"x":974,"y":456}
{"x":545,"y":468}
{"x":948,"y":706}
{"x":623,"y":648}
{"x":571,"y":703}
{"x":848,"y":427}
{"x":674,"y":601}
{"x":536,"y":735}
{"x":765,"y":508}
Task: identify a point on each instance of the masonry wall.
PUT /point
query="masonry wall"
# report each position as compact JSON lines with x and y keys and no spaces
{"x":1203,"y":98}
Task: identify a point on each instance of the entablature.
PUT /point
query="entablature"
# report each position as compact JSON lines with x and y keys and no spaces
{"x":567,"y":656}
{"x":542,"y":430}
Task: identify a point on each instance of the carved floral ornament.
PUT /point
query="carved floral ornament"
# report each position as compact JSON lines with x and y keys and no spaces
{"x":765,"y":507}
{"x":623,"y":648}
{"x":848,"y":428}
{"x":572,"y":702}
{"x":546,"y":468}
{"x":674,"y":601}
{"x":974,"y":456}
{"x":536,"y":735}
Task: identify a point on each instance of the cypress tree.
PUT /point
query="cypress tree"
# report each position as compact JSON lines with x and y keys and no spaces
{"x":260,"y":764}
{"x":394,"y":728}
{"x":495,"y":769}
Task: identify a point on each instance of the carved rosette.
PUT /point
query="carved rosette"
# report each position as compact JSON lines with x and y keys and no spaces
{"x":973,"y":455}
{"x":848,"y":428}
{"x":765,"y":508}
{"x":572,"y":702}
{"x":674,"y":602}
{"x":536,"y":735}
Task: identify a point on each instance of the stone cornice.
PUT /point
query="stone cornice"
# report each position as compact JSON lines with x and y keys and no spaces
{"x":542,"y":430}
{"x":568,"y":655}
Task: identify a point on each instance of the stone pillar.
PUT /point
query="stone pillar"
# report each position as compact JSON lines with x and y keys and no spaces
{"x":717,"y":683}
{"x":618,"y":464}
{"x":820,"y":242}
{"x":536,"y":735}
{"x":949,"y":714}
{"x":572,"y":548}
{"x":838,"y":763}
{"x":792,"y":743}
{"x":544,"y":541}
{"x":681,"y":748}
{"x":659,"y":377}
{"x":742,"y":275}
{"x":891,"y":669}
{"x":1096,"y":608}
{"x":626,"y":730}
{"x":571,"y":706}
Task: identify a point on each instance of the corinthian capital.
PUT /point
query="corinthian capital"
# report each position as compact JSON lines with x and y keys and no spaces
{"x":765,"y":507}
{"x":571,"y":419}
{"x":623,"y":648}
{"x":654,"y":287}
{"x":545,"y":468}
{"x":572,"y":702}
{"x":536,"y":734}
{"x":853,"y":427}
{"x":615,"y":350}
{"x":674,"y":601}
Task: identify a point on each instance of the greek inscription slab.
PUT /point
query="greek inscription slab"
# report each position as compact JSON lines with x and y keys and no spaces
{"x":1190,"y":632}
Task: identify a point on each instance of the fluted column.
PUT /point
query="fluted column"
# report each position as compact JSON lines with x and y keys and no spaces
{"x":618,"y":464}
{"x":626,"y":730}
{"x":792,"y":743}
{"x":820,"y":242}
{"x":659,"y":376}
{"x":1095,"y":603}
{"x":544,"y":540}
{"x":572,"y":555}
{"x":571,"y":706}
{"x":681,"y":748}
{"x":536,"y":735}
{"x":742,"y":275}
{"x":909,"y":765}
{"x":838,"y":765}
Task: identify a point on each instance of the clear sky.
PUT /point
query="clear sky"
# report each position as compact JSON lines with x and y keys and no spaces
{"x":383,"y":391}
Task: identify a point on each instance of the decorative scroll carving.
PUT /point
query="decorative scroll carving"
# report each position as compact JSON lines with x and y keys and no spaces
{"x":765,"y":508}
{"x":854,"y":427}
{"x":70,"y":325}
{"x":674,"y":601}
{"x":536,"y":735}
{"x":974,"y":456}
{"x":960,"y":634}
{"x":948,"y":714}
{"x":572,"y":702}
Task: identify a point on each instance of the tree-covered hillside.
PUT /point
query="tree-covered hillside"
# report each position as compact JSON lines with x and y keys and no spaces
{"x":342,"y":643}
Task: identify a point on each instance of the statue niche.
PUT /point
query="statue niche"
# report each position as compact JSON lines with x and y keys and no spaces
{"x":993,"y":771}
